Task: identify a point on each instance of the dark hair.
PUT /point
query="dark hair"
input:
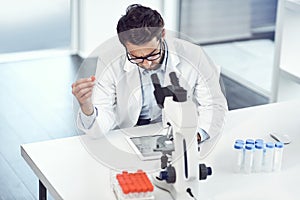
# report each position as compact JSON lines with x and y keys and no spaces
{"x":139,"y":25}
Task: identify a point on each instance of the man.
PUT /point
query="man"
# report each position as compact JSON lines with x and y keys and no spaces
{"x":122,"y":95}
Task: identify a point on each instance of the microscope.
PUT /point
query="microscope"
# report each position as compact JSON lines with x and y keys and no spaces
{"x":180,"y":169}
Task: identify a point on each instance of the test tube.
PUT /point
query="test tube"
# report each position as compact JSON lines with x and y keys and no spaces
{"x":239,"y":157}
{"x":248,"y":158}
{"x":258,"y":157}
{"x":268,"y":157}
{"x":278,"y":151}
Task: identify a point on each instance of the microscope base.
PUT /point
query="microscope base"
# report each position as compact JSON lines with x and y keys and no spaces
{"x":164,"y":186}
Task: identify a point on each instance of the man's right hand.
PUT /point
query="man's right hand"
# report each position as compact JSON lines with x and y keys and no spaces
{"x":82,"y":90}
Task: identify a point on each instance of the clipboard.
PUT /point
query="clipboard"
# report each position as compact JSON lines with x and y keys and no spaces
{"x":144,"y":146}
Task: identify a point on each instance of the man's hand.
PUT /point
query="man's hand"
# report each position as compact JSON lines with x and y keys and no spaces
{"x":82,"y":90}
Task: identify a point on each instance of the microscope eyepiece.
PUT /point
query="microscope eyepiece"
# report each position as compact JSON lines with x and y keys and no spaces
{"x":174,"y":79}
{"x":155,"y":79}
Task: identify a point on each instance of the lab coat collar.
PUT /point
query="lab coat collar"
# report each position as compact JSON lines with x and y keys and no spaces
{"x":173,"y":58}
{"x":172,"y":62}
{"x":129,"y":66}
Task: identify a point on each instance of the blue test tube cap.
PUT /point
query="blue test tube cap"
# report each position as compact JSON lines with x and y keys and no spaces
{"x":238,"y":145}
{"x":270,"y":145}
{"x":279,"y":145}
{"x":239,"y":141}
{"x":249,"y":141}
{"x":249,"y":146}
{"x":259,"y":145}
{"x":259,"y":141}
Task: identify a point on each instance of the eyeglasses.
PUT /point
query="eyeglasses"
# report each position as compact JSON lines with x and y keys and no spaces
{"x":150,"y":57}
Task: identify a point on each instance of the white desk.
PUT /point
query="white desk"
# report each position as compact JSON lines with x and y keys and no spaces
{"x":68,"y":171}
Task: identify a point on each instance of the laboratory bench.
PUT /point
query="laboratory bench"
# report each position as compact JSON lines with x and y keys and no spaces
{"x":80,"y":167}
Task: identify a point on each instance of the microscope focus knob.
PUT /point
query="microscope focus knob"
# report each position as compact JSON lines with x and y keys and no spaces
{"x":169,"y":175}
{"x":204,"y":171}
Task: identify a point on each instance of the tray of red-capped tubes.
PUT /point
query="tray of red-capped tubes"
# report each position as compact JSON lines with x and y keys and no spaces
{"x":135,"y":186}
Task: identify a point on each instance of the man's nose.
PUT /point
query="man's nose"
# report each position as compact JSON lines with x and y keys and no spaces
{"x":147,"y":64}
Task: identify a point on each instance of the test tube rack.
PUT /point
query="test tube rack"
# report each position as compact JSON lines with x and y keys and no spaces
{"x":128,"y":186}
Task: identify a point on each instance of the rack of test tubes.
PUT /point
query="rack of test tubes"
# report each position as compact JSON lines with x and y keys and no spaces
{"x":257,"y":156}
{"x":128,"y":186}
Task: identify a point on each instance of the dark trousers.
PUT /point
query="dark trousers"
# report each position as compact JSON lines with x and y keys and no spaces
{"x":142,"y":122}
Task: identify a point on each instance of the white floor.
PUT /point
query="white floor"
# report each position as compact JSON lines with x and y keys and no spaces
{"x":248,"y":62}
{"x":251,"y":64}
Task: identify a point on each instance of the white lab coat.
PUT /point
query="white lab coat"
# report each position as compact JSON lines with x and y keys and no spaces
{"x":118,"y":96}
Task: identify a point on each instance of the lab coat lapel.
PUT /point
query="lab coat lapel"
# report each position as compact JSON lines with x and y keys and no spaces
{"x":134,"y":90}
{"x":133,"y":79}
{"x":172,"y":66}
